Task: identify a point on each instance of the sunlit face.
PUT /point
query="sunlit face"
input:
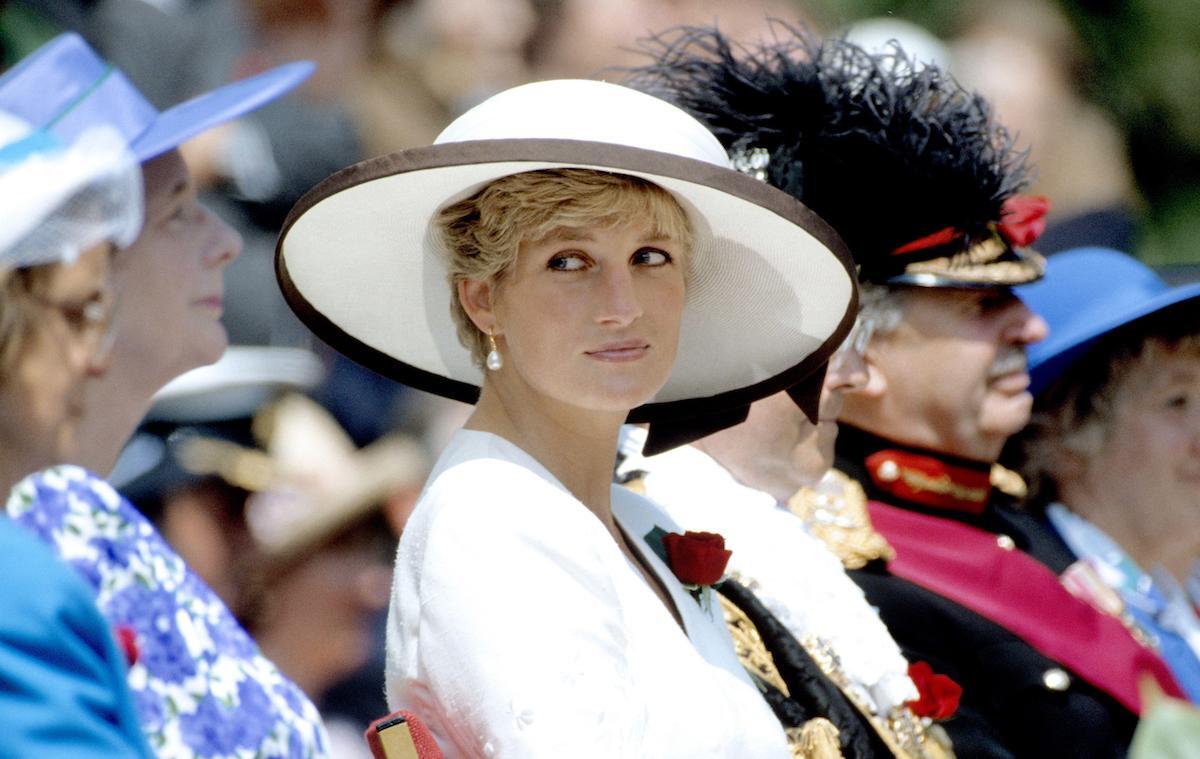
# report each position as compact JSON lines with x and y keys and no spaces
{"x":955,"y":371}
{"x":170,"y":279}
{"x":590,"y":317}
{"x":777,"y":430}
{"x":41,"y":400}
{"x":1148,"y":469}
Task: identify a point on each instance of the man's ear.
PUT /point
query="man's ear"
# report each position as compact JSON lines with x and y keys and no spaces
{"x":877,"y":383}
{"x":475,"y":295}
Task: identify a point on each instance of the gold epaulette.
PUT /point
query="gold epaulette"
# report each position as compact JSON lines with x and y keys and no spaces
{"x":838,"y":518}
{"x":815,"y":739}
{"x":1007,"y":481}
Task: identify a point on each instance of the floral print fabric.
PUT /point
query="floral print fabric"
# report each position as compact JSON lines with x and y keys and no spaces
{"x":201,"y":686}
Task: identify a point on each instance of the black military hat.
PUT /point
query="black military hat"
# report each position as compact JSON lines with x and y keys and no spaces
{"x":911,"y":169}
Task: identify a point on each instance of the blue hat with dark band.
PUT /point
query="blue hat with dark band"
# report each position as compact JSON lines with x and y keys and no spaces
{"x":64,"y":87}
{"x":1087,"y":293}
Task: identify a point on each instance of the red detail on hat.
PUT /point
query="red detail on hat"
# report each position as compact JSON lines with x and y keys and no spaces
{"x":1023,"y":219}
{"x":929,"y":481}
{"x":127,"y":639}
{"x":943,"y":236}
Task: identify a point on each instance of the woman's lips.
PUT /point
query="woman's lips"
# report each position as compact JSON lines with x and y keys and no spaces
{"x":214,"y":302}
{"x":625,"y":350}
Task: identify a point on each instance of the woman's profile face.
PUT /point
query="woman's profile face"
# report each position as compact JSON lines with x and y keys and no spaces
{"x":1148,"y":469}
{"x":41,"y":400}
{"x":171,"y":277}
{"x":590,"y":316}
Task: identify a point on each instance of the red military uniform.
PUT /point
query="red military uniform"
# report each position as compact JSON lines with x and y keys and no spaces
{"x":973,"y":589}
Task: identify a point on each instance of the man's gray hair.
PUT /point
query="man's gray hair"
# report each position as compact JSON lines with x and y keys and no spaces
{"x":881,"y":306}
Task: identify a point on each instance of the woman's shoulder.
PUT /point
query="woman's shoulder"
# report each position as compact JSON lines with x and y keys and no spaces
{"x":479,"y":470}
{"x":486,"y":492}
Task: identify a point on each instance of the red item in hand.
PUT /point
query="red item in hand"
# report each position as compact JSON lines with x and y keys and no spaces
{"x":1023,"y":219}
{"x":418,"y":744}
{"x":127,"y":639}
{"x":697,"y":558}
{"x":939,"y":694}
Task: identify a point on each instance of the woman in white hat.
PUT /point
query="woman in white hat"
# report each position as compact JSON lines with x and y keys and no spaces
{"x":568,"y":254}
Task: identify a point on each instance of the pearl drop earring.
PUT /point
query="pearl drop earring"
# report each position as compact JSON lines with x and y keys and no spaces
{"x":494,"y":360}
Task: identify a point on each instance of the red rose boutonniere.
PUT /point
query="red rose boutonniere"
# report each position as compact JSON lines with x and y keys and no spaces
{"x":938,"y":693}
{"x":698,"y":559}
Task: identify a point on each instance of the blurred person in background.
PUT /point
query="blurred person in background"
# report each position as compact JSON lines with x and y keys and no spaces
{"x":279,"y":512}
{"x":66,"y":207}
{"x":1112,"y":452}
{"x":1025,"y":57}
{"x":319,"y":528}
{"x":202,"y":688}
{"x":364,"y":64}
{"x":463,"y":51}
{"x":585,"y":38}
{"x":198,"y":513}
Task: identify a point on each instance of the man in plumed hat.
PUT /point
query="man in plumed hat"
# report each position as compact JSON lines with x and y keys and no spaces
{"x":922,"y":184}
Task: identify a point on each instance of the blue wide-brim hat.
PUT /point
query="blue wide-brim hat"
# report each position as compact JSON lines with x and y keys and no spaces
{"x":64,"y":87}
{"x":1087,"y":293}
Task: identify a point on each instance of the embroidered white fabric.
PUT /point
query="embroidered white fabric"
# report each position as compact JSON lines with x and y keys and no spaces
{"x":519,"y":629}
{"x":799,"y":580}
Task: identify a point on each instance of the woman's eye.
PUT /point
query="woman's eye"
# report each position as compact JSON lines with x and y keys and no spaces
{"x":1177,"y":401}
{"x":567,"y":262}
{"x":651,"y":257}
{"x":179,"y":215}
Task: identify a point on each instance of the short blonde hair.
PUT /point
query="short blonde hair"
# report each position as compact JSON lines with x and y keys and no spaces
{"x":482,"y":234}
{"x":1073,"y":416}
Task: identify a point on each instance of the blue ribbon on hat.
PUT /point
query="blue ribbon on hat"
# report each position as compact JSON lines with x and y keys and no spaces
{"x":37,"y":142}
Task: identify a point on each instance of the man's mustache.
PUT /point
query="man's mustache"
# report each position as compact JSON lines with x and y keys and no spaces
{"x":1011,"y":361}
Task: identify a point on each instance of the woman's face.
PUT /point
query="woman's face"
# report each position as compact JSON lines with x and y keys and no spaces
{"x":1148,"y":469}
{"x":41,"y":399}
{"x":590,"y":317}
{"x":170,"y":279}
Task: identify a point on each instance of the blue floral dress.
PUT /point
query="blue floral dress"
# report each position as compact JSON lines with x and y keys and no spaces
{"x":201,"y":686}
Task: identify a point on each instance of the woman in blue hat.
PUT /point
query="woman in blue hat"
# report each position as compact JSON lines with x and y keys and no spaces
{"x":202,"y":687}
{"x":1112,"y":453}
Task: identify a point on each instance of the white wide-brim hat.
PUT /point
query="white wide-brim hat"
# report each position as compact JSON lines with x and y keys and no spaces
{"x":771,"y":290}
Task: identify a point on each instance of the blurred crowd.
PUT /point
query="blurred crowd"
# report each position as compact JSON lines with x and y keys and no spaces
{"x":269,"y":477}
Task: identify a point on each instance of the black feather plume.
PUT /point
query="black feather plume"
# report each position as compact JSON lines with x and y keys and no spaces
{"x":884,"y":149}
